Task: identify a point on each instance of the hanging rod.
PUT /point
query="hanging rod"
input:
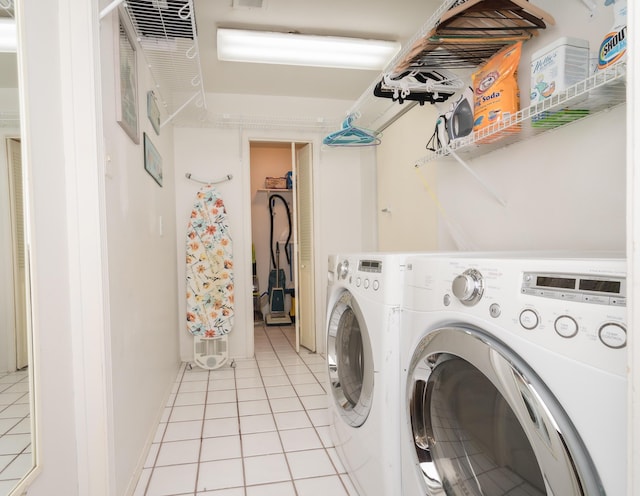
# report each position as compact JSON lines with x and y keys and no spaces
{"x":109,"y":8}
{"x":224,"y":179}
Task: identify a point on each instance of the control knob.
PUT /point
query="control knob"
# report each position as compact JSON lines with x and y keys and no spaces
{"x":343,"y":269}
{"x":468,"y":287}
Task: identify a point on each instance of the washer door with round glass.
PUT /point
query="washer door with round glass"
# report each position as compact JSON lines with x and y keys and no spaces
{"x":484,"y":423}
{"x":350,"y":360}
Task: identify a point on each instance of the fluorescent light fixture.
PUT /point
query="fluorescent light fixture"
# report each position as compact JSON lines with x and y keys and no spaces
{"x":8,"y":35}
{"x":267,"y":47}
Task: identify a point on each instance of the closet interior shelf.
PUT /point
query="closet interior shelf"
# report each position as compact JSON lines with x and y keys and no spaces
{"x":602,"y":91}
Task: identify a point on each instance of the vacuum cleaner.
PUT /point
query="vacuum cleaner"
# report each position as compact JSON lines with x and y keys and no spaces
{"x":276,"y":316}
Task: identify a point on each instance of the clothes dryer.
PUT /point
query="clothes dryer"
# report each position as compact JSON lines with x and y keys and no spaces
{"x":363,"y":310}
{"x":514,"y":373}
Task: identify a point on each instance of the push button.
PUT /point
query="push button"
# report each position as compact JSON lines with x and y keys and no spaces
{"x":528,"y":319}
{"x":566,"y":326}
{"x":613,"y":335}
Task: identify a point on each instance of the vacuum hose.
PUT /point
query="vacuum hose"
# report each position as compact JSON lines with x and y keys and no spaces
{"x":286,"y":245}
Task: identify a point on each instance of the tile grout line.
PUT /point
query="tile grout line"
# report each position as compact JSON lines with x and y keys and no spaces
{"x":284,"y":454}
{"x":324,"y":448}
{"x":244,"y":472}
{"x":180,"y":375}
{"x":278,"y":351}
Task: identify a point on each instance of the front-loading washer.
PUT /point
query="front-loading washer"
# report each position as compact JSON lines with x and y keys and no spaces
{"x":514,"y":372}
{"x":363,"y":313}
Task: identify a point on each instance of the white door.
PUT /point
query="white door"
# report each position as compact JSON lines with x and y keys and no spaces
{"x":305,"y":311}
{"x":19,"y":252}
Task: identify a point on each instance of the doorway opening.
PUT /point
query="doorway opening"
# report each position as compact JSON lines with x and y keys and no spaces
{"x":282,"y":237}
{"x":17,"y":340}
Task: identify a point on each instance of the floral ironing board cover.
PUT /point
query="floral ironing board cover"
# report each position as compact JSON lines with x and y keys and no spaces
{"x":210,"y":305}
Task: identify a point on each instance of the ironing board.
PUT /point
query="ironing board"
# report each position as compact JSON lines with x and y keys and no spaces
{"x":209,"y":279}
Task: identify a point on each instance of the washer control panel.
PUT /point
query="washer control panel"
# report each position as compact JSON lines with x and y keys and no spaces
{"x":574,"y":307}
{"x":576,"y":287}
{"x":371,"y":269}
{"x":365,"y":274}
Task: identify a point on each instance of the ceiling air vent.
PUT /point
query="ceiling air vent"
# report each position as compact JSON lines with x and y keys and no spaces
{"x":248,"y":4}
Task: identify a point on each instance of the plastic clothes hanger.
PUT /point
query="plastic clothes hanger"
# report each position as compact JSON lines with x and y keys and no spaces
{"x":350,"y":135}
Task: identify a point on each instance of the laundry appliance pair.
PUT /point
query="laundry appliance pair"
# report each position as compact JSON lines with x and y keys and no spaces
{"x":488,"y":374}
{"x":363,"y":337}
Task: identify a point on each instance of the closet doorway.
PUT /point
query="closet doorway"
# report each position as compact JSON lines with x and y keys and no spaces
{"x":282,"y":235}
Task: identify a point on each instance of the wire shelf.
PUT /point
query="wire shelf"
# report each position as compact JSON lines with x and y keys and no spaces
{"x":166,"y":32}
{"x":604,"y":90}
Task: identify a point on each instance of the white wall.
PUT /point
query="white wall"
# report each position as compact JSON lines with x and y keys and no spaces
{"x":141,"y":233}
{"x":344,"y":195}
{"x":407,"y":205}
{"x":57,"y":446}
{"x":563,"y":190}
{"x":105,"y":340}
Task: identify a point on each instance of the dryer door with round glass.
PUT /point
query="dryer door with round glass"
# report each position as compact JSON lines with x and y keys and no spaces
{"x":484,"y":423}
{"x":350,"y":360}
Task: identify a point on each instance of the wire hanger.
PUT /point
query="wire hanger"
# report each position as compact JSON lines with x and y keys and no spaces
{"x":350,"y":135}
{"x":224,"y":179}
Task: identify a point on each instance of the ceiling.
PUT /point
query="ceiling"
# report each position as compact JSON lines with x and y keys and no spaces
{"x":379,"y":19}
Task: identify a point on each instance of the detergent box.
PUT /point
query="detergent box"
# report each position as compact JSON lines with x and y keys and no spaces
{"x":555,"y":68}
{"x":558,"y":66}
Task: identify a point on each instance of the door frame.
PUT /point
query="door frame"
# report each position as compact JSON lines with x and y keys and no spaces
{"x":285,"y":137}
{"x":8,"y":358}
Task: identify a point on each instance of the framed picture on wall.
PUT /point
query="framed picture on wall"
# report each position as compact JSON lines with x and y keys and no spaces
{"x":127,"y":82}
{"x":153,"y":112}
{"x":152,"y":160}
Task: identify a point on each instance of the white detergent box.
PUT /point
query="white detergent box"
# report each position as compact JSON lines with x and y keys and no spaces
{"x":558,"y":66}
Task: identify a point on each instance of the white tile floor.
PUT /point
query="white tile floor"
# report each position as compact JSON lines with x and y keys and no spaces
{"x":15,"y":429}
{"x":259,"y":429}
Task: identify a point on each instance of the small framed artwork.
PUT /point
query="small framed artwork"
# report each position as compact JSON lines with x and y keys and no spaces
{"x":152,"y":160}
{"x":153,"y":112}
{"x":127,"y":82}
